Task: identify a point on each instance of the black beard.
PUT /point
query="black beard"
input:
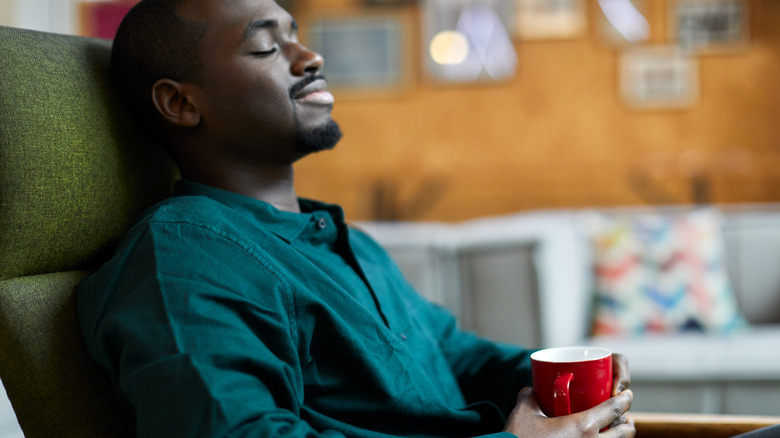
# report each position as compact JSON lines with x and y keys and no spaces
{"x":321,"y":138}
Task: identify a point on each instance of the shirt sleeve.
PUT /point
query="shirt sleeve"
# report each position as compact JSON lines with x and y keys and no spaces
{"x":197,"y":337}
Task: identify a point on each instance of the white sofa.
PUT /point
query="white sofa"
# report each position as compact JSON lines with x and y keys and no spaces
{"x":526,"y":279}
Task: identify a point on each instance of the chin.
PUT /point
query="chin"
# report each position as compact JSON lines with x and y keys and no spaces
{"x":321,"y":138}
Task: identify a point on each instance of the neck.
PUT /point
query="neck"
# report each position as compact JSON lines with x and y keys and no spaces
{"x":273,"y":184}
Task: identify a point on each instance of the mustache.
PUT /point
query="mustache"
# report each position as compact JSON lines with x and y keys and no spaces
{"x":295,"y":89}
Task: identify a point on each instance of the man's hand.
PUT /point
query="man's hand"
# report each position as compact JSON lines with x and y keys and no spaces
{"x":528,"y":421}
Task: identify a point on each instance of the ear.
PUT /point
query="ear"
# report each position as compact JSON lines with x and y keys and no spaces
{"x":174,"y":101}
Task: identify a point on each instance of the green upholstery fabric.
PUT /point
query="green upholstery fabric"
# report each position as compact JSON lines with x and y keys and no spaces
{"x":75,"y":170}
{"x":56,"y":389}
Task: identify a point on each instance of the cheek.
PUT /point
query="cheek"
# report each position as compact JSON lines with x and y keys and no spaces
{"x":255,"y":105}
{"x":240,"y":86}
{"x":266,"y":98}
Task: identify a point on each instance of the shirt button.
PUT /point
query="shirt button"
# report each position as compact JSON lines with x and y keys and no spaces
{"x":322,"y":223}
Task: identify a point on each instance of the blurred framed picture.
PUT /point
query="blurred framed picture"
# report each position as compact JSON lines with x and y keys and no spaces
{"x":709,"y":26}
{"x":659,"y":77}
{"x":101,"y":19}
{"x":623,"y":23}
{"x":550,"y":19}
{"x":469,"y":40}
{"x":365,"y":55}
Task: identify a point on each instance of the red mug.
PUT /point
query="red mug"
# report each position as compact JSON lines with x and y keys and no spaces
{"x":568,"y":380}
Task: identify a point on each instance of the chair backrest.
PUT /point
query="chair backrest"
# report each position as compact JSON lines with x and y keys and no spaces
{"x":75,"y":169}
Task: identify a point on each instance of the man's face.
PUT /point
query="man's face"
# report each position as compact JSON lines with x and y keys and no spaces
{"x":262,"y":95}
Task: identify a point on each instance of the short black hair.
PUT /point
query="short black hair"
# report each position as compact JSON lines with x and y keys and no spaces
{"x":154,"y":42}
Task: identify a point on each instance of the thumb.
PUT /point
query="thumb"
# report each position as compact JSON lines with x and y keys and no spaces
{"x":526,"y":415}
{"x":527,"y":399}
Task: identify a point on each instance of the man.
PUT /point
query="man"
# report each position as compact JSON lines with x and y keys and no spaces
{"x":237,"y":309}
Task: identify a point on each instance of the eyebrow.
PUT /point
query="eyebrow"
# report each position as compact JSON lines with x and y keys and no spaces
{"x":267,"y":23}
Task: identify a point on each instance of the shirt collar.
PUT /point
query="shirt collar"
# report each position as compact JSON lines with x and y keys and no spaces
{"x":284,"y":224}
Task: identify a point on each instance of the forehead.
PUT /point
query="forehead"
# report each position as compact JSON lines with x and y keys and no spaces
{"x":228,"y":19}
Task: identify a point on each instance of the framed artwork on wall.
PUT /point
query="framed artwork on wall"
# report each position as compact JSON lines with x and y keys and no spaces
{"x":366,"y":54}
{"x":659,"y":77}
{"x":709,"y":26}
{"x":101,"y":19}
{"x":623,"y":23}
{"x":469,"y":40}
{"x":550,"y":19}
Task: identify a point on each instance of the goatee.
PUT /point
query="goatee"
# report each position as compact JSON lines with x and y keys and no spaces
{"x":321,"y":138}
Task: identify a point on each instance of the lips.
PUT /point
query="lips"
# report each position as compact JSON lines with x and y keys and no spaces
{"x":318,"y":97}
{"x":312,"y":90}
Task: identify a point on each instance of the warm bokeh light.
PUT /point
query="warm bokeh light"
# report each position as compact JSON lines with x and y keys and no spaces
{"x":449,"y":48}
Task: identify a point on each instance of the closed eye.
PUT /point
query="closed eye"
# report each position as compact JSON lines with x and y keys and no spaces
{"x":265,"y":53}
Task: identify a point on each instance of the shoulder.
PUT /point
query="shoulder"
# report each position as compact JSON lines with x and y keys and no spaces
{"x":192,"y":236}
{"x":184,"y":210}
{"x":188,"y":221}
{"x":190,"y":246}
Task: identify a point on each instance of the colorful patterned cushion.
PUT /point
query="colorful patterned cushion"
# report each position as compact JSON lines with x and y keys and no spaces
{"x":659,"y":273}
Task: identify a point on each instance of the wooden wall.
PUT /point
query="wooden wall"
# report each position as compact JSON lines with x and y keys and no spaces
{"x":557,"y":135}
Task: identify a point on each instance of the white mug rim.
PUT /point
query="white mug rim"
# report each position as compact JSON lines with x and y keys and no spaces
{"x":544,"y":354}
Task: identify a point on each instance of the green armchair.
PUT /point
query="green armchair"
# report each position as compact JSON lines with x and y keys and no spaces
{"x":75,"y":169}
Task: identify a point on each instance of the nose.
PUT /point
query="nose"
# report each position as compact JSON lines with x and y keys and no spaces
{"x":305,"y":61}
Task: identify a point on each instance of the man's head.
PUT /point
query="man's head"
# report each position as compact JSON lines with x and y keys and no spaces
{"x":226,"y":77}
{"x":154,"y":42}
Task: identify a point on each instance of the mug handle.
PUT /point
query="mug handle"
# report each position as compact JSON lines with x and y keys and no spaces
{"x":561,"y":403}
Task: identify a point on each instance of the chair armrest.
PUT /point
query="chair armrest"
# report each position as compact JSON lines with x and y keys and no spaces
{"x":649,"y":425}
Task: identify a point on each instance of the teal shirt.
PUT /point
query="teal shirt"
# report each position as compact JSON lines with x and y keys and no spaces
{"x":220,"y":315}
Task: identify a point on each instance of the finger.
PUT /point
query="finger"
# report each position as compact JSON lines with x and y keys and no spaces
{"x":621,"y":375}
{"x":611,"y":410}
{"x":627,"y":430}
{"x":623,"y":419}
{"x":527,"y":399}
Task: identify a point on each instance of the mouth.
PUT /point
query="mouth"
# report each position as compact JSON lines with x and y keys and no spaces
{"x":312,"y":89}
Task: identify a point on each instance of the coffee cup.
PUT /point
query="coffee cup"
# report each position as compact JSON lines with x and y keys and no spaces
{"x":568,"y":380}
